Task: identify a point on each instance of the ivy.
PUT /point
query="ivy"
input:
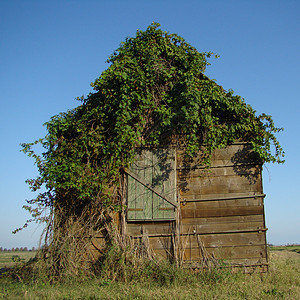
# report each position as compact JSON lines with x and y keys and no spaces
{"x":154,"y":93}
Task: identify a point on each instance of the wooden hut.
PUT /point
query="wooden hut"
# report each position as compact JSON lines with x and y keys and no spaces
{"x":180,"y":209}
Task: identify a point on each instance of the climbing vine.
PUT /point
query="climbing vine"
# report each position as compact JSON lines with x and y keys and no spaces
{"x":153,"y":93}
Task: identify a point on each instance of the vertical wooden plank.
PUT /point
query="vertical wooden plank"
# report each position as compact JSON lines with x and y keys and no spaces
{"x":164,"y":181}
{"x":131,"y":199}
{"x":157,"y":181}
{"x":135,"y":205}
{"x":147,"y":178}
{"x":138,"y":194}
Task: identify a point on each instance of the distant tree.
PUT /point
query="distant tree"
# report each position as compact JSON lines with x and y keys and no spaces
{"x":1,"y":249}
{"x":5,"y":249}
{"x":17,"y":249}
{"x":33,"y":249}
{"x":25,"y":249}
{"x":12,"y":249}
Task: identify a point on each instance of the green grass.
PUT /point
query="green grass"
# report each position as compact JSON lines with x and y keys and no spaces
{"x":294,"y":248}
{"x":11,"y":258}
{"x":281,"y":282}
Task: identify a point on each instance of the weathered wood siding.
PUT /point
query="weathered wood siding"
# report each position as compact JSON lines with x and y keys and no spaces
{"x":221,"y":208}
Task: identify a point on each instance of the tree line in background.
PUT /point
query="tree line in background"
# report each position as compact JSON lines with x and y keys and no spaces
{"x":17,"y":249}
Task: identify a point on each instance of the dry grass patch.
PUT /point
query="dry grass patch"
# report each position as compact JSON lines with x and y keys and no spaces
{"x":9,"y":259}
{"x":281,"y":282}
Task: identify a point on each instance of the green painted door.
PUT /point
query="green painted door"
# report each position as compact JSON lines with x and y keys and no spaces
{"x":152,"y":186}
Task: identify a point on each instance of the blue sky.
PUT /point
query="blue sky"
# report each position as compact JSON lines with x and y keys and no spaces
{"x":50,"y":51}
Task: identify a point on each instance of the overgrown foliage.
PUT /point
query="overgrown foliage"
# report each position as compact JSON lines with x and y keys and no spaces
{"x":154,"y":93}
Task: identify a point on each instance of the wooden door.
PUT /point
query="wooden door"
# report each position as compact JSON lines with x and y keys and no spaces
{"x":152,"y":186}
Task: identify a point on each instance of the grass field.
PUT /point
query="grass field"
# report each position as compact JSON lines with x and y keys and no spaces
{"x":293,"y":248}
{"x":281,"y":282}
{"x":11,"y":258}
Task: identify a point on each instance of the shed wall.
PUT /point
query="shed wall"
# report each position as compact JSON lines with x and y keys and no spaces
{"x":220,"y":210}
{"x":223,"y":207}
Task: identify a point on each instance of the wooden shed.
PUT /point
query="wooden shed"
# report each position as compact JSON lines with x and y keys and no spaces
{"x":181,"y":210}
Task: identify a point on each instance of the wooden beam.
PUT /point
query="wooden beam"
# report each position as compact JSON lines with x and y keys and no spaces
{"x":224,"y":198}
